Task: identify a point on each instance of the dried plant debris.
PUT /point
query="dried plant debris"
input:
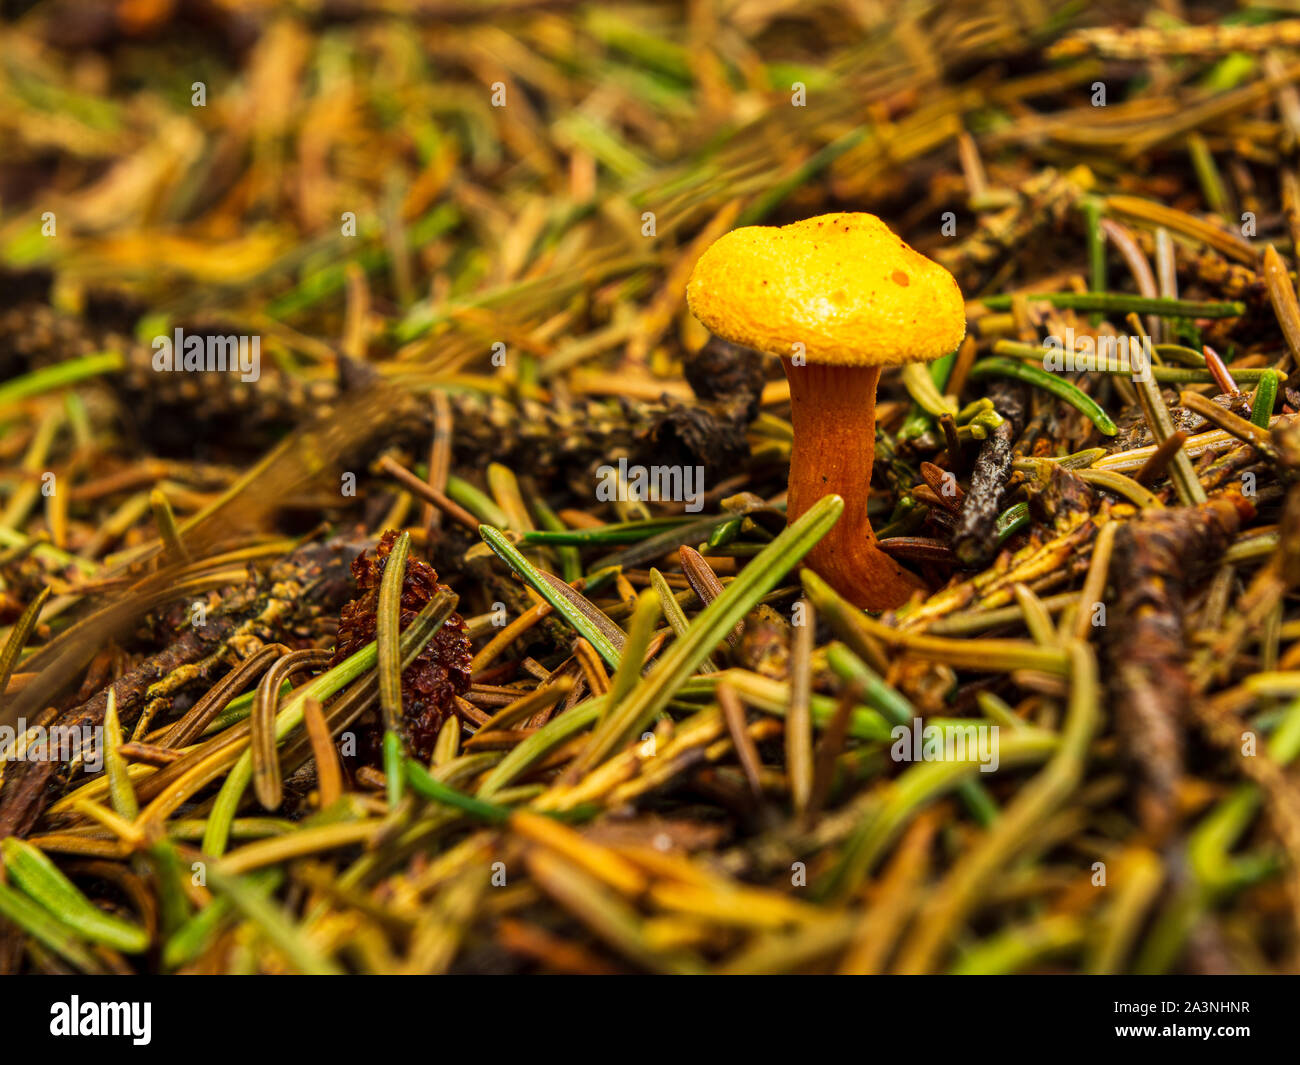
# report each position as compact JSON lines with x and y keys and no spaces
{"x":441,"y":670}
{"x":325,"y":292}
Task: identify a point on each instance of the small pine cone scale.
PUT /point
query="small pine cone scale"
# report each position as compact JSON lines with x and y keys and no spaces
{"x":439,"y":673}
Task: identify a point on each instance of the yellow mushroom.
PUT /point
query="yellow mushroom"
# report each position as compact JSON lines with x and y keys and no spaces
{"x":837,"y":297}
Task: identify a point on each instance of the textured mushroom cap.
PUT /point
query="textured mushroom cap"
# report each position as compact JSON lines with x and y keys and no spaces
{"x":843,"y":285}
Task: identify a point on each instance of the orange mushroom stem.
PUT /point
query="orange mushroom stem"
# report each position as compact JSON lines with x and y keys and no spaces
{"x":833,"y":411}
{"x":848,"y":297}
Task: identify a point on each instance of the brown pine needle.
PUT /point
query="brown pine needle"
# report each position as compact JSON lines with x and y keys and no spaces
{"x":1158,"y":462}
{"x":329,"y":773}
{"x":1239,"y":427}
{"x":428,"y":493}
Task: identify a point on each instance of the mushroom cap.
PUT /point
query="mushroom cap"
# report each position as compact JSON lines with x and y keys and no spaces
{"x":843,"y":285}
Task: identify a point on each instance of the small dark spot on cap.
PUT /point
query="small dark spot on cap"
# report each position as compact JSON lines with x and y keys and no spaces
{"x":900,"y":278}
